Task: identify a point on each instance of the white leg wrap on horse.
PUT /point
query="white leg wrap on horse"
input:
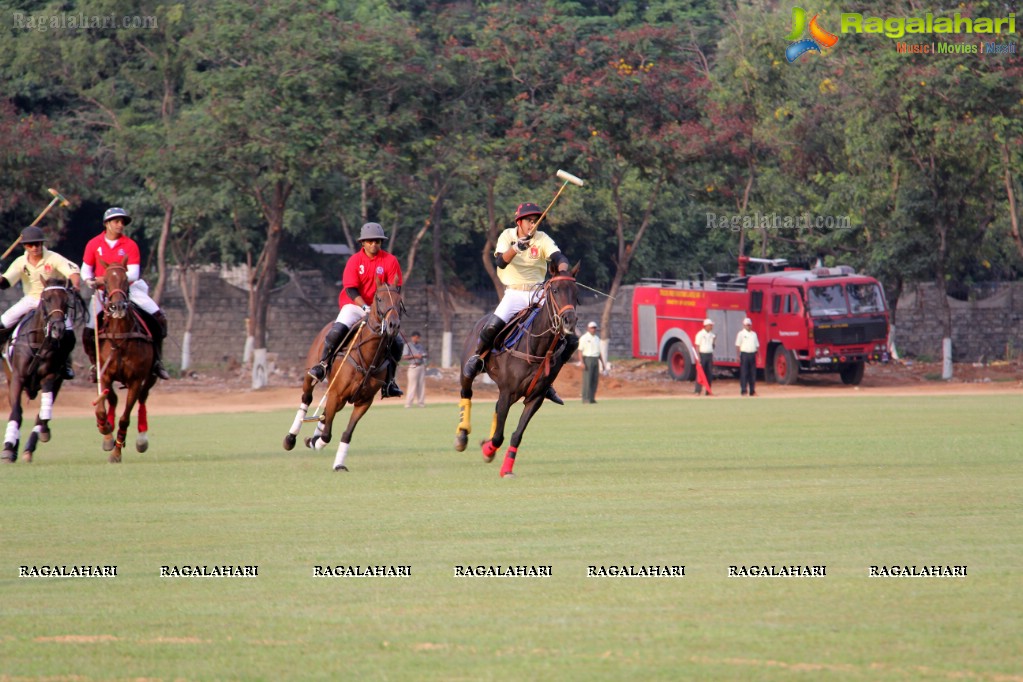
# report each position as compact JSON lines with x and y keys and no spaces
{"x":13,"y":432}
{"x":342,"y":452}
{"x":296,"y":425}
{"x":46,"y":406}
{"x":320,"y":444}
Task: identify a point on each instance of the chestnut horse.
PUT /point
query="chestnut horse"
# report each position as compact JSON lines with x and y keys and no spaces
{"x":35,"y":363}
{"x":356,"y":378}
{"x":126,"y":355}
{"x":526,"y":359}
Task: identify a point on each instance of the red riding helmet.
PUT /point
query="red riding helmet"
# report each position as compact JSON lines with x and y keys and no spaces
{"x":527,"y":209}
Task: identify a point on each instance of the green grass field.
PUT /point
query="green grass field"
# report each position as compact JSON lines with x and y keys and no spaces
{"x":842,"y":482}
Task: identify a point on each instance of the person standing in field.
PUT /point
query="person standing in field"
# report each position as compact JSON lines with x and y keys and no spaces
{"x":591,"y":361}
{"x":747,"y":343}
{"x":415,"y":353}
{"x":705,"y":340}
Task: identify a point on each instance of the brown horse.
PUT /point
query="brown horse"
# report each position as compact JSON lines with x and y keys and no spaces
{"x":356,"y":378}
{"x":527,"y":356}
{"x":126,"y":355}
{"x":35,"y":363}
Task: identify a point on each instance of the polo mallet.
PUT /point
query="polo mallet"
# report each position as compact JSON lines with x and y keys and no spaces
{"x":57,"y":196}
{"x":569,"y":179}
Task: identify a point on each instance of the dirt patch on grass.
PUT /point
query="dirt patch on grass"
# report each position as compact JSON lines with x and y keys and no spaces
{"x":230,"y":391}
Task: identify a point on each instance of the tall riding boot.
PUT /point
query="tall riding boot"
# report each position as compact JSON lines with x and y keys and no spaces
{"x":569,"y":349}
{"x":5,"y":332}
{"x":395,"y":352}
{"x":331,"y":342}
{"x":89,"y":346}
{"x":491,"y":328}
{"x":158,"y":336}
{"x":67,"y":344}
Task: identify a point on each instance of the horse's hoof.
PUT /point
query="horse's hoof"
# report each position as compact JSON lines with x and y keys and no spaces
{"x":310,"y":442}
{"x":114,"y":459}
{"x":507,"y":474}
{"x":9,"y":456}
{"x":142,"y":443}
{"x":488,"y":450}
{"x":44,"y":436}
{"x":461,"y":440}
{"x":340,"y":467}
{"x":28,"y":457}
{"x":289,"y":441}
{"x":108,"y":444}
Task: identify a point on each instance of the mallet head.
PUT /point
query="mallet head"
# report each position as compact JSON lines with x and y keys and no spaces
{"x":59,"y":197}
{"x":568,"y":177}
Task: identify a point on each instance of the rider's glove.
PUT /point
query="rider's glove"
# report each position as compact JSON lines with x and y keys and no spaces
{"x":365,"y":307}
{"x":522,"y":244}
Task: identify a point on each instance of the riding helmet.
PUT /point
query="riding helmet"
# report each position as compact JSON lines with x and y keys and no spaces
{"x":32,"y":235}
{"x":372,"y":231}
{"x":527,"y":209}
{"x":117,"y":212}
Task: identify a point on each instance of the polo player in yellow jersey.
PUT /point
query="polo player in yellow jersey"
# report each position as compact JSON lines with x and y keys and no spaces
{"x":521,"y":257}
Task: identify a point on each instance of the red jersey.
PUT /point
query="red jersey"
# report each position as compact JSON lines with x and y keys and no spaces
{"x":98,"y":248}
{"x":361,"y":271}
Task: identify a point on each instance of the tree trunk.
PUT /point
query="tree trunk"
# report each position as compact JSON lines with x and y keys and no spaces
{"x":265,"y":274}
{"x":161,"y":251}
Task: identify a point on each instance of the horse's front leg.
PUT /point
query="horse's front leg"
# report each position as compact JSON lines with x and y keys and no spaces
{"x":124,"y":422}
{"x":464,"y":427}
{"x":13,"y":434}
{"x":528,"y":411}
{"x":491,"y":446}
{"x":346,"y":436}
{"x":324,"y":428}
{"x":41,"y":431}
{"x":303,"y":409}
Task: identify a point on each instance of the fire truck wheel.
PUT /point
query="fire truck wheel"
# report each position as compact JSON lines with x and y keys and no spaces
{"x":852,"y":373}
{"x":785,"y":365}
{"x":680,"y":362}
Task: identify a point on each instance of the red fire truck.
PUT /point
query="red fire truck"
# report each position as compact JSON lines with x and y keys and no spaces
{"x":819,"y":320}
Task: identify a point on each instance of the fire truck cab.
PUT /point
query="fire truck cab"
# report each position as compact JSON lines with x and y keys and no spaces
{"x":818,"y":320}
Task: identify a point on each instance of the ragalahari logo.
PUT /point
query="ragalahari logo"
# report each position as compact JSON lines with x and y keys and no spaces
{"x":819,"y":38}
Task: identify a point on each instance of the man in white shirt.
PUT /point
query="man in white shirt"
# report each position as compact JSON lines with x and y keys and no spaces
{"x":592,"y":362}
{"x":747,"y":343}
{"x":705,"y":339}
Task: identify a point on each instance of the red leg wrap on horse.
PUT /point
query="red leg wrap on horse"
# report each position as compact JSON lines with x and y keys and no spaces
{"x":143,"y":419}
{"x":488,"y":448}
{"x":110,"y":416}
{"x":509,"y":460}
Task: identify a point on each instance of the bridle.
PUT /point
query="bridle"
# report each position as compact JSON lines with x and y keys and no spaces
{"x":556,"y":311}
{"x":117,"y":301}
{"x":389,"y":317}
{"x":54,"y":319}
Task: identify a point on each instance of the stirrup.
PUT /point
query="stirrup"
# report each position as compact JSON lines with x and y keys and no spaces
{"x":391,"y":390}
{"x":553,"y":396}
{"x":92,"y":374}
{"x":318,"y":371}
{"x":69,"y":372}
{"x":472,"y":367}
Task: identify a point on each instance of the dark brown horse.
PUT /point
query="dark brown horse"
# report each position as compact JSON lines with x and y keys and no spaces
{"x":356,"y":377}
{"x":527,"y":356}
{"x":126,"y":356}
{"x":35,"y":365}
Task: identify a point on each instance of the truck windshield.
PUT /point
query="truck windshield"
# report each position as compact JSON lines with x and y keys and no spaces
{"x":827,"y":300}
{"x":865,"y":298}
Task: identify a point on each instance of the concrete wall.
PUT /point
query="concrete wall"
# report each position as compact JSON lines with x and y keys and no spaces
{"x":987,"y":329}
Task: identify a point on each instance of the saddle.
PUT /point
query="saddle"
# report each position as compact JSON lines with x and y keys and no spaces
{"x":520,"y":324}
{"x":142,"y":327}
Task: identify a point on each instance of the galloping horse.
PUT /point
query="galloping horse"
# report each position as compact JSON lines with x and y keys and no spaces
{"x":126,"y":355}
{"x":526,"y":360}
{"x":356,"y":378}
{"x":35,"y":362}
